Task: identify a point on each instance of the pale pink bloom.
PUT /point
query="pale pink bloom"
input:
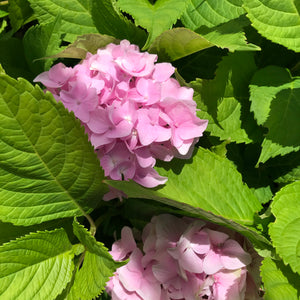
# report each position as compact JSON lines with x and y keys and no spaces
{"x":175,"y":263}
{"x":133,"y":111}
{"x":123,"y":247}
{"x":56,"y":77}
{"x":80,"y":100}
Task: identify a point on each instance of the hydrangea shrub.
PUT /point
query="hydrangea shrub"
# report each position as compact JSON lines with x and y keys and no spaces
{"x":187,"y":111}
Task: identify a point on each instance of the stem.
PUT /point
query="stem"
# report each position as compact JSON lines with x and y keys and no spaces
{"x":93,"y":227}
{"x":4,"y":2}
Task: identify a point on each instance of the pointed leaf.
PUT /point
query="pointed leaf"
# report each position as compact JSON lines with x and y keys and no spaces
{"x":279,"y":281}
{"x":211,"y":13}
{"x":20,"y":13}
{"x":76,"y":16}
{"x":221,"y":99}
{"x":285,"y":231}
{"x":270,"y":149}
{"x":154,"y":18}
{"x":278,"y":21}
{"x":229,"y":35}
{"x":36,"y":266}
{"x":40,"y":41}
{"x":177,"y":43}
{"x":48,"y":169}
{"x":98,"y":266}
{"x":275,"y":101}
{"x":84,"y":44}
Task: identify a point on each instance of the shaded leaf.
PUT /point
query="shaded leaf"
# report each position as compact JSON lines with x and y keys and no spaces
{"x":177,"y":43}
{"x":275,"y":101}
{"x":84,"y":44}
{"x":41,"y":41}
{"x":20,"y":13}
{"x":109,"y":20}
{"x":224,"y":99}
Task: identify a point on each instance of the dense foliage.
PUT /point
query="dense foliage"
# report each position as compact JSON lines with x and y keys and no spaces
{"x":241,"y":57}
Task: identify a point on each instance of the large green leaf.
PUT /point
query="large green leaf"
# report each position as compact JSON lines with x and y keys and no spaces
{"x":279,"y":281}
{"x":209,"y":182}
{"x":48,"y":169}
{"x":154,"y":18}
{"x":278,"y":21}
{"x":275,"y":101}
{"x":109,"y":20}
{"x":224,"y":99}
{"x":285,"y":231}
{"x":41,"y":41}
{"x":98,"y":266}
{"x":211,"y":13}
{"x":76,"y":16}
{"x":177,"y":43}
{"x":36,"y":266}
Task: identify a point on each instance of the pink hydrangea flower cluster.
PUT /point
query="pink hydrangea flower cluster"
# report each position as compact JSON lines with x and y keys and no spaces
{"x":182,"y":258}
{"x":132,"y":110}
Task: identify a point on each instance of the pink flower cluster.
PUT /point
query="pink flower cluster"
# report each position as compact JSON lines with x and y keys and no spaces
{"x":132,"y":110}
{"x":182,"y":258}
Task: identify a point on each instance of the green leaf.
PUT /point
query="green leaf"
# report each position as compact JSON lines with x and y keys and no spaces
{"x":41,"y":41}
{"x":279,"y":281}
{"x":265,"y":84}
{"x":285,"y":231}
{"x":98,"y":266}
{"x":134,"y":190}
{"x":10,"y":232}
{"x":229,"y":35}
{"x":109,"y":20}
{"x":20,"y":13}
{"x":84,"y":44}
{"x":291,"y":176}
{"x":275,"y":101}
{"x":76,"y":18}
{"x":12,"y":58}
{"x":224,"y":99}
{"x":209,"y":177}
{"x":278,"y":21}
{"x":154,"y":18}
{"x":3,"y":13}
{"x":211,"y":13}
{"x":3,"y":26}
{"x":202,"y":64}
{"x":48,"y":169}
{"x":177,"y":43}
{"x":36,"y":266}
{"x":270,"y":149}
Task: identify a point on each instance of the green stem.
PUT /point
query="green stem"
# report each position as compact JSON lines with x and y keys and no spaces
{"x":93,"y":227}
